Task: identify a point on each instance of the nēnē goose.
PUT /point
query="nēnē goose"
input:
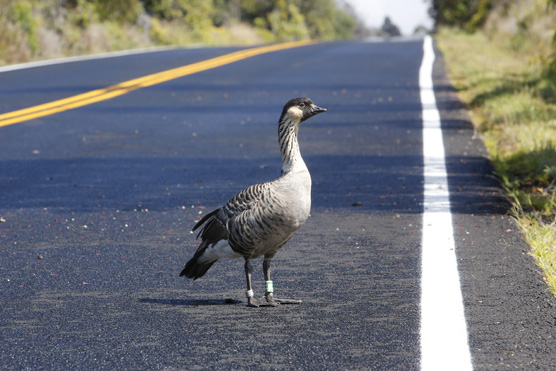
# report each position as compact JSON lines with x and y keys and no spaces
{"x":260,"y":219}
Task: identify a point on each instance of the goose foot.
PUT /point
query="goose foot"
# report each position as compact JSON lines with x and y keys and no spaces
{"x":271,"y":299}
{"x":252,"y":302}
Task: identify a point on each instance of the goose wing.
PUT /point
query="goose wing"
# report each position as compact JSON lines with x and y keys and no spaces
{"x":216,"y":224}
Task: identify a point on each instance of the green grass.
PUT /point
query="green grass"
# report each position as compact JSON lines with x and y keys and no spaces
{"x":512,"y":104}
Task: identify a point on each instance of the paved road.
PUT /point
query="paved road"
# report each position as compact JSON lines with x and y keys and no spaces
{"x":97,"y":204}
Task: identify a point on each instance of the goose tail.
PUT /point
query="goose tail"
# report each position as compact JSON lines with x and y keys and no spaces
{"x":196,"y":267}
{"x":206,"y":255}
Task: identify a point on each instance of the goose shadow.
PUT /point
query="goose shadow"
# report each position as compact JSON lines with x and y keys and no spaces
{"x":190,"y":302}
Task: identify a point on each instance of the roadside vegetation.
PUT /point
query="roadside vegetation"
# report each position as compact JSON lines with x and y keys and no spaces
{"x":501,"y":56}
{"x":31,"y":30}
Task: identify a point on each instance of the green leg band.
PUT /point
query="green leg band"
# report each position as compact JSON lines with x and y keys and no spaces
{"x":269,"y":286}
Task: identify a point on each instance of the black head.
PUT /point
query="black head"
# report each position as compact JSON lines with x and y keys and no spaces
{"x":301,"y":109}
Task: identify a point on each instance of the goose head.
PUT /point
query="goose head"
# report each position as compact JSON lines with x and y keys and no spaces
{"x":300,"y":109}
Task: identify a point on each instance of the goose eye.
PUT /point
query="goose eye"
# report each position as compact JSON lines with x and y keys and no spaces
{"x":302,"y":105}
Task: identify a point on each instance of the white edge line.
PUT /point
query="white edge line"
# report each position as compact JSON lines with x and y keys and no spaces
{"x":444,"y":337}
{"x":48,"y":62}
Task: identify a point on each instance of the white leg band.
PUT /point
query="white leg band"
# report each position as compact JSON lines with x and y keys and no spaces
{"x":249,"y":293}
{"x":269,"y":286}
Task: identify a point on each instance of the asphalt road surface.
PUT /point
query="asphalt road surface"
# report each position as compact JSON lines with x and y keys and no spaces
{"x":97,"y":203}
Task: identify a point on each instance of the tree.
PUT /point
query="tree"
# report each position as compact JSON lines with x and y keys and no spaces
{"x":468,"y":15}
{"x":389,"y":28}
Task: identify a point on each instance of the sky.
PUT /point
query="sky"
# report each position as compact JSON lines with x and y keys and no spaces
{"x":406,"y":14}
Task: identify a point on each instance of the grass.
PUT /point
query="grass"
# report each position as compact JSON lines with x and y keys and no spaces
{"x":512,"y":104}
{"x":34,"y":30}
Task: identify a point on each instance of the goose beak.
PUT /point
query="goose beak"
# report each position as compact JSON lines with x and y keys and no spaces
{"x":316,"y":109}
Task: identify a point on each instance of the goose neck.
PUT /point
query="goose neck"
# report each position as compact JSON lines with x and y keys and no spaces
{"x":289,"y":147}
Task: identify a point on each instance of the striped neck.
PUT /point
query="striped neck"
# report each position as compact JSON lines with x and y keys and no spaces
{"x":289,"y":147}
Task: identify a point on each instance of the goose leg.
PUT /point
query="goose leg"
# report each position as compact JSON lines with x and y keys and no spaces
{"x":269,"y":293}
{"x":251,"y":302}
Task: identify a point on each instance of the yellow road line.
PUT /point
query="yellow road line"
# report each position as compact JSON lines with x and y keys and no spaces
{"x":98,"y":95}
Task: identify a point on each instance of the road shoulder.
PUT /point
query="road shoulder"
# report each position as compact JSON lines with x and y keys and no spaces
{"x":510,"y":313}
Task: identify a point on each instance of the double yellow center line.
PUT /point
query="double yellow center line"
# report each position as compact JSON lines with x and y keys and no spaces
{"x":125,"y":87}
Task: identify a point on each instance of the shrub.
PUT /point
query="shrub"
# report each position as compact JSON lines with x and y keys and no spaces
{"x":21,"y":15}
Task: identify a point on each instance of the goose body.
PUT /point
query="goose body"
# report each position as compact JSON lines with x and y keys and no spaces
{"x":260,"y":219}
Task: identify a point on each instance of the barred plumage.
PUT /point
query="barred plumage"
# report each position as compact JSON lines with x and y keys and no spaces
{"x":260,"y":219}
